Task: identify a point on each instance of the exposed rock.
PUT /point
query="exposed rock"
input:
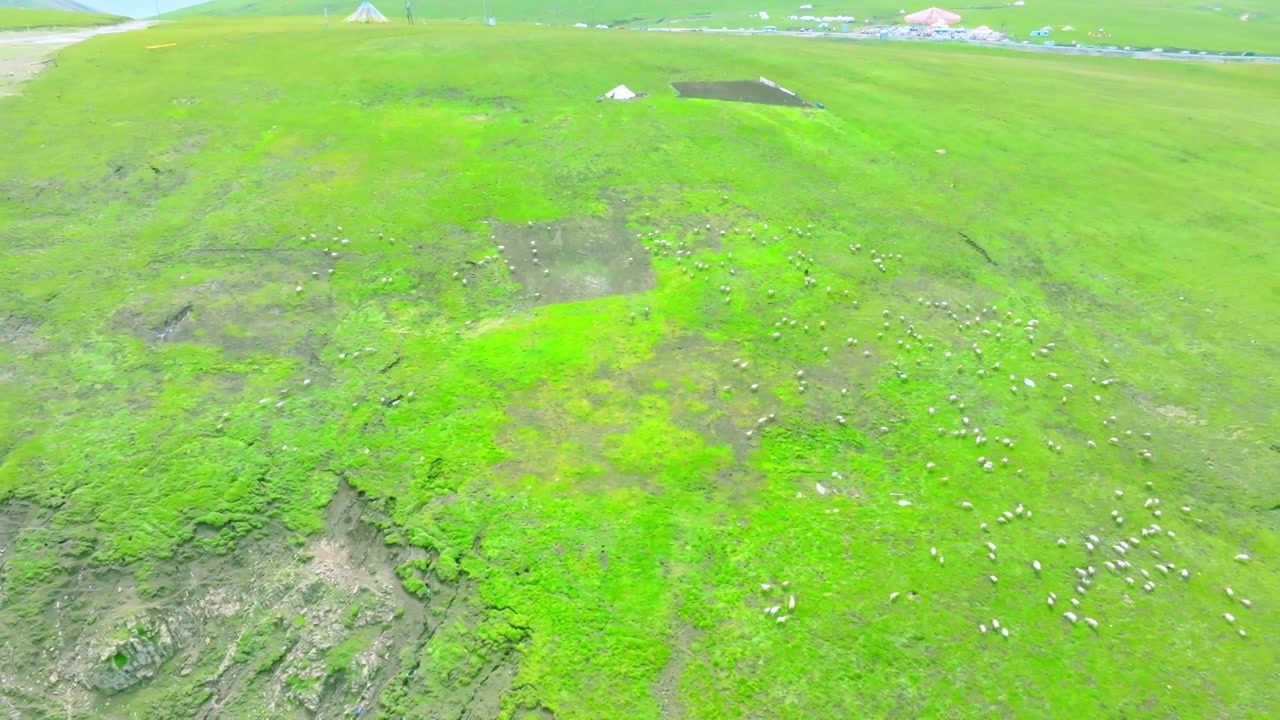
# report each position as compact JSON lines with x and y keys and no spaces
{"x":129,"y":663}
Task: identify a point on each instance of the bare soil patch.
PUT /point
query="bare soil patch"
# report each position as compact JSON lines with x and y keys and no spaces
{"x":255,"y":630}
{"x":574,"y":260}
{"x":748,"y":91}
{"x":23,"y":54}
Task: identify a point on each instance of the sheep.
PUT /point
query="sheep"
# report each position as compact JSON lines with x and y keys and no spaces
{"x":1070,"y":616}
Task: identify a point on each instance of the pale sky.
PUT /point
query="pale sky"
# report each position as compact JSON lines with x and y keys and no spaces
{"x":137,"y":8}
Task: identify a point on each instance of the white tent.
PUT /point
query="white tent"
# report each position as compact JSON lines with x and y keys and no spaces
{"x":622,"y":92}
{"x":367,"y":13}
{"x":932,"y":17}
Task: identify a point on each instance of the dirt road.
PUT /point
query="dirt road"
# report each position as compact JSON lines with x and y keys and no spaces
{"x":25,"y":53}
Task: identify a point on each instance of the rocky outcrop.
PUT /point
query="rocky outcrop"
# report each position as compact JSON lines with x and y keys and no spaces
{"x":125,"y":664}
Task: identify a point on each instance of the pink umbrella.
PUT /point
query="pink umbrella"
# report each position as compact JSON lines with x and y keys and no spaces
{"x":932,"y":16}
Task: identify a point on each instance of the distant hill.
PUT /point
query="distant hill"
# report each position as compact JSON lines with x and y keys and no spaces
{"x":24,"y":19}
{"x":66,"y":5}
{"x":560,"y":12}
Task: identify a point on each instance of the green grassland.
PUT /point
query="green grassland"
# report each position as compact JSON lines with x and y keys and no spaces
{"x":181,"y":375}
{"x":1171,"y":24}
{"x":23,"y":19}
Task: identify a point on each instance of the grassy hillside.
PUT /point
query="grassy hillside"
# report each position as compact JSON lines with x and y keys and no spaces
{"x":67,"y":5}
{"x":1170,"y":24}
{"x":280,"y":265}
{"x":17,"y":19}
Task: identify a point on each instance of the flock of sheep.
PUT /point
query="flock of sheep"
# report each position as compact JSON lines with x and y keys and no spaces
{"x":1133,"y":559}
{"x":1118,"y":555}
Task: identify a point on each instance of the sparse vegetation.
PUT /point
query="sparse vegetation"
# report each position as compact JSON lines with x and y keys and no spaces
{"x":573,"y":509}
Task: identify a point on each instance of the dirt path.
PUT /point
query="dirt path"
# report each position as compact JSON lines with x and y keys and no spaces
{"x":25,"y":53}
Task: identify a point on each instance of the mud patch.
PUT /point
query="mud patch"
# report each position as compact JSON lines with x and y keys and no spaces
{"x":666,"y":689}
{"x":252,"y":305}
{"x":269,"y":630}
{"x":171,"y":323}
{"x":748,"y":91}
{"x":20,"y":333}
{"x":574,"y":260}
{"x":1179,"y":415}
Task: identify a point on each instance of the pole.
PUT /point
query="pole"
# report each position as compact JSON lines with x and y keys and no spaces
{"x":157,"y":9}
